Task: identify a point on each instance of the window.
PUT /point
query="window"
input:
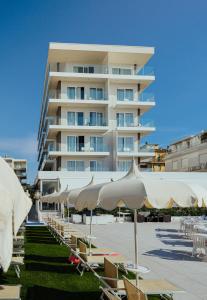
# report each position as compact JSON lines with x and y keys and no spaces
{"x":76,"y":93}
{"x":75,"y":118}
{"x":75,"y":143}
{"x":96,"y":119}
{"x":83,"y":69}
{"x":96,"y":143}
{"x":121,"y":71}
{"x":120,"y":119}
{"x":71,"y":143}
{"x":71,"y":118}
{"x":75,"y":165}
{"x":125,"y":94}
{"x":129,"y":94}
{"x":96,"y":94}
{"x":125,"y":144}
{"x":71,"y":92}
{"x":124,"y":165}
{"x":51,"y":146}
{"x":125,"y":119}
{"x":96,"y":165}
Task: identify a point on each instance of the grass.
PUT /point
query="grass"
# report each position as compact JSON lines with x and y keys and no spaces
{"x":46,"y":273}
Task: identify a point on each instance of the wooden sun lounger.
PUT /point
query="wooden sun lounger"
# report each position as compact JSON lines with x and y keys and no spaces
{"x":95,"y":259}
{"x":17,"y":261}
{"x":146,"y":286}
{"x":10,"y":292}
{"x":94,"y":251}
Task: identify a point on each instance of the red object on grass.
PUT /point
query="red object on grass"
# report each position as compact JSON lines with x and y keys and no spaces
{"x":73,"y":260}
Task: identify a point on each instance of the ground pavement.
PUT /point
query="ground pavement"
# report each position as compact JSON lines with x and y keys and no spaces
{"x":163,"y":249}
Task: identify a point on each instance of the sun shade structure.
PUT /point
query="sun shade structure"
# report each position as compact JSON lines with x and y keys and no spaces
{"x":74,"y":194}
{"x":136,"y":190}
{"x":15,"y":205}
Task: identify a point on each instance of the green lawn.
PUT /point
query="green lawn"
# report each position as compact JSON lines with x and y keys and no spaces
{"x":46,"y":273}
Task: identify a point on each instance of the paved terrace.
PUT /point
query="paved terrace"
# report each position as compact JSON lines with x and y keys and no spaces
{"x":163,"y":249}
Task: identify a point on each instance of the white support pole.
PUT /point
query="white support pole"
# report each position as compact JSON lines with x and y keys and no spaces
{"x":136,"y":244}
{"x":90,"y":234}
{"x":68,"y":213}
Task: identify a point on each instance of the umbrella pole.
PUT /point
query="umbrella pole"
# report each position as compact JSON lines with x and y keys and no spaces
{"x":136,"y":244}
{"x":68,"y":215}
{"x":90,"y":234}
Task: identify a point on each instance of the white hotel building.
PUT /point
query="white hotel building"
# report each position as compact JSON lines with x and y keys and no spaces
{"x":93,"y":113}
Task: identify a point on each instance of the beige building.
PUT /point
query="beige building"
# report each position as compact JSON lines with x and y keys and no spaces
{"x":188,"y":154}
{"x":155,"y":163}
{"x":19,"y":166}
{"x":93,"y":108}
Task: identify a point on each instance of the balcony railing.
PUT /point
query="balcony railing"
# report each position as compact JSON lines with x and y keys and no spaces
{"x":141,"y":148}
{"x":143,"y":97}
{"x":146,"y":70}
{"x":139,"y":124}
{"x":54,"y":94}
{"x":84,"y":148}
{"x":100,"y":69}
{"x":146,"y":97}
{"x":89,"y":122}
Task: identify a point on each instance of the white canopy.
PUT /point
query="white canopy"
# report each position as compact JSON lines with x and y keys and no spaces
{"x":88,"y":197}
{"x":14,"y":207}
{"x":74,"y":194}
{"x":136,"y":190}
{"x":21,"y":202}
{"x":6,"y":234}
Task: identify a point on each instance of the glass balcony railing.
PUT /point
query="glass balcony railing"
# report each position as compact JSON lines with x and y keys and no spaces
{"x":146,"y":97}
{"x":141,"y":148}
{"x":91,"y":148}
{"x":146,"y":148}
{"x":88,"y":122}
{"x":101,"y":69}
{"x":146,"y":70}
{"x":143,"y":97}
{"x":133,"y":124}
{"x":55,"y":94}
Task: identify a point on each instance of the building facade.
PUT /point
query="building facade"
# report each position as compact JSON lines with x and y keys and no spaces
{"x":93,"y":108}
{"x":20,"y":168}
{"x":155,"y":163}
{"x":188,"y":154}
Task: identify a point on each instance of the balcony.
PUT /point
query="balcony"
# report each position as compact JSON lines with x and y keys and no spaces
{"x":142,"y":127}
{"x":88,"y":126}
{"x":145,"y":101}
{"x":141,"y":151}
{"x":83,"y":150}
{"x":55,"y":100}
{"x":100,"y":73}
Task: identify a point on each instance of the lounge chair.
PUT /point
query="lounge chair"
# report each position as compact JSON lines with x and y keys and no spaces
{"x":95,"y":259}
{"x":133,"y":292}
{"x":10,"y":292}
{"x":94,"y":251}
{"x":109,"y":294}
{"x":17,"y":261}
{"x":146,"y":286}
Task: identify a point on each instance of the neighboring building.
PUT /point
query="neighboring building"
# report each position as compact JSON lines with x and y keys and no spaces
{"x":155,"y":163}
{"x":92,"y":112}
{"x":19,"y":166}
{"x":188,"y":154}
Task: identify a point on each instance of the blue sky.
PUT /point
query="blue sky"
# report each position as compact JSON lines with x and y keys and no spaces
{"x":177,"y":29}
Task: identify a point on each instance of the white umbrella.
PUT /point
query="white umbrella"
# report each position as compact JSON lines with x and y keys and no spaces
{"x":136,"y":190}
{"x":15,"y":205}
{"x":21,"y":202}
{"x":6,"y":231}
